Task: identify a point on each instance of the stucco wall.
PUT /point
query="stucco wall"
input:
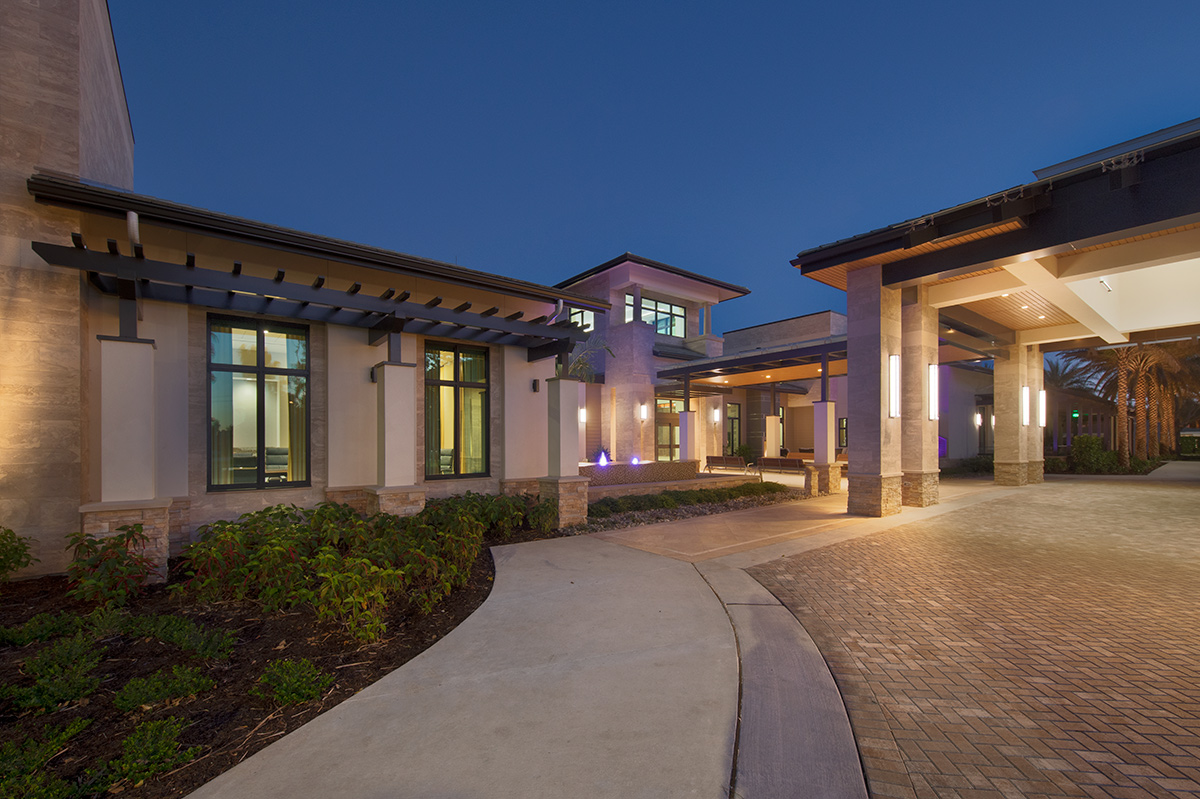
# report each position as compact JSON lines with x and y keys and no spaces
{"x":524,"y":431}
{"x":353,"y":427}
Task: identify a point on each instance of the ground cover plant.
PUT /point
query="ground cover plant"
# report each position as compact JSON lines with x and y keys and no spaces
{"x":158,"y":696}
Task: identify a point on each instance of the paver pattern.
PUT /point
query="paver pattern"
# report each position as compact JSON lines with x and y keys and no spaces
{"x":1033,"y":647}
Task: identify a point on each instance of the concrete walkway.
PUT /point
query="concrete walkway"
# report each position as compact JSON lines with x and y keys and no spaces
{"x":642,"y":662}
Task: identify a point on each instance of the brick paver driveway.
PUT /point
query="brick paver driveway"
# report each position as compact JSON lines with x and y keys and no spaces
{"x":1042,"y":645}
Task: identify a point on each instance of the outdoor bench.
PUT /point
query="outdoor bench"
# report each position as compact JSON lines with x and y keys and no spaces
{"x":725,"y":462}
{"x":781,"y":465}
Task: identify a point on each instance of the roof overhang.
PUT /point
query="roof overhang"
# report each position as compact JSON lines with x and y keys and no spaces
{"x":71,"y":192}
{"x":655,"y":275}
{"x":135,"y":277}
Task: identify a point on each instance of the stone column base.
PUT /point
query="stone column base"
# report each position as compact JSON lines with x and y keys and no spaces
{"x":810,"y":481}
{"x":920,"y":489}
{"x":396,"y":500}
{"x":874,"y":494}
{"x":518,"y":486}
{"x":1011,"y":474}
{"x":570,"y":495}
{"x":1035,"y":472}
{"x":829,"y":478}
{"x":105,"y":519}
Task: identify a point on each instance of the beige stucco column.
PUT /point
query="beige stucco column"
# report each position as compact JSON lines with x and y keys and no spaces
{"x":395,"y":441}
{"x":1035,"y":367}
{"x":771,"y":436}
{"x":1010,"y":375}
{"x":562,"y":407}
{"x":127,"y":445}
{"x":687,"y":436}
{"x":919,"y":432}
{"x":128,"y":451}
{"x":825,"y":463}
{"x":873,"y":335}
{"x":563,"y":485}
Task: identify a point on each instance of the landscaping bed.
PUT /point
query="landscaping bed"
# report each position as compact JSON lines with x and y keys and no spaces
{"x":218,"y":726}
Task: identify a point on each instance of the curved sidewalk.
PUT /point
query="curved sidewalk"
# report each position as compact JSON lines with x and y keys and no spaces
{"x":593,"y":670}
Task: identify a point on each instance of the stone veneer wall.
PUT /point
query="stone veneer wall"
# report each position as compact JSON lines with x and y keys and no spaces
{"x":354,"y":497}
{"x":920,"y":489}
{"x":874,"y":495}
{"x":596,"y":493}
{"x":649,"y":472}
{"x":515,"y":488}
{"x":104,"y":520}
{"x":571,"y":496}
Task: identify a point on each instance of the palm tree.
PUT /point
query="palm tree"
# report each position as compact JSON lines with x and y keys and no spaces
{"x":1107,"y":373}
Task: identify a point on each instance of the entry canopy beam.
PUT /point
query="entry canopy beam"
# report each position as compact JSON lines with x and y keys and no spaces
{"x":803,"y":354}
{"x":166,"y":282}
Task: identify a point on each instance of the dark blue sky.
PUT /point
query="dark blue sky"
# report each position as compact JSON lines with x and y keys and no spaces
{"x":537,"y":140}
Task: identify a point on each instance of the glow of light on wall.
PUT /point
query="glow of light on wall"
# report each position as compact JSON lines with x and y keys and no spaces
{"x":1042,"y":408}
{"x":893,"y":386}
{"x":1025,"y":406}
{"x":933,"y":392}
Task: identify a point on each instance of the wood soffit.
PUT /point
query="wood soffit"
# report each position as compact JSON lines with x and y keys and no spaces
{"x":835,"y":276}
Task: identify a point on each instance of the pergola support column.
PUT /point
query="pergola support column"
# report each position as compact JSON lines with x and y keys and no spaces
{"x":396,"y":471}
{"x":1035,"y":368}
{"x":564,"y":486}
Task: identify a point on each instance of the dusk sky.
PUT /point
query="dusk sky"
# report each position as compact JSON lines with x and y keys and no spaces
{"x":537,"y":140}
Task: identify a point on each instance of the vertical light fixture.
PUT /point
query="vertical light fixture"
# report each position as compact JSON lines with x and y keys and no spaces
{"x":642,"y":412}
{"x":1042,"y":408}
{"x":583,"y":415}
{"x":893,"y":386}
{"x":1025,"y":406}
{"x":716,"y":415}
{"x":979,"y":420}
{"x":933,"y":392}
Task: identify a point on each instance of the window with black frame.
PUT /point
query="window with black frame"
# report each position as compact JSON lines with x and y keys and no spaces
{"x":258,"y":379}
{"x":667,"y":318}
{"x":456,"y":411}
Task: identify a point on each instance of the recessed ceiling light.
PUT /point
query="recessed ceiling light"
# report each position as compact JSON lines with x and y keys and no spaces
{"x":1003,"y":295}
{"x":1024,"y":307}
{"x":1043,"y":316}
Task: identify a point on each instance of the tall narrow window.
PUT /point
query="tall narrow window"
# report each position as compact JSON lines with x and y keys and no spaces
{"x":733,"y":427}
{"x":456,"y":411}
{"x":258,"y":375}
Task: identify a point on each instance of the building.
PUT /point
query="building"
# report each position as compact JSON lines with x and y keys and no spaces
{"x":171,"y":366}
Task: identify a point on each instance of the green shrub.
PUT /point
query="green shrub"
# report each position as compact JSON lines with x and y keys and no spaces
{"x":543,"y":516}
{"x":183,"y":633}
{"x":609,"y":506}
{"x":14,"y":553}
{"x":1087,"y":455}
{"x":62,"y":672}
{"x":21,"y":764}
{"x":108,"y":570}
{"x":291,"y":682}
{"x":1056,"y":466}
{"x":152,"y":748}
{"x":161,"y":686}
{"x":41,"y":627}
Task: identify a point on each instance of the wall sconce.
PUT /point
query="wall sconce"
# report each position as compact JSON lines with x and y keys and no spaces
{"x":1025,"y":406}
{"x":979,"y":420}
{"x":1042,"y":408}
{"x":993,"y":421}
{"x":716,"y":415}
{"x":893,"y":386}
{"x":642,"y":412}
{"x":583,"y":415}
{"x":933,"y":392}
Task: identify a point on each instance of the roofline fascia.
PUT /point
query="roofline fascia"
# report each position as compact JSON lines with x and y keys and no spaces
{"x":652,"y":264}
{"x":884,"y":239}
{"x":65,"y":190}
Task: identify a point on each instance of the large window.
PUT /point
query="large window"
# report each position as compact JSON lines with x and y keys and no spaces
{"x":258,"y":404}
{"x":456,"y":411}
{"x":667,"y":319}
